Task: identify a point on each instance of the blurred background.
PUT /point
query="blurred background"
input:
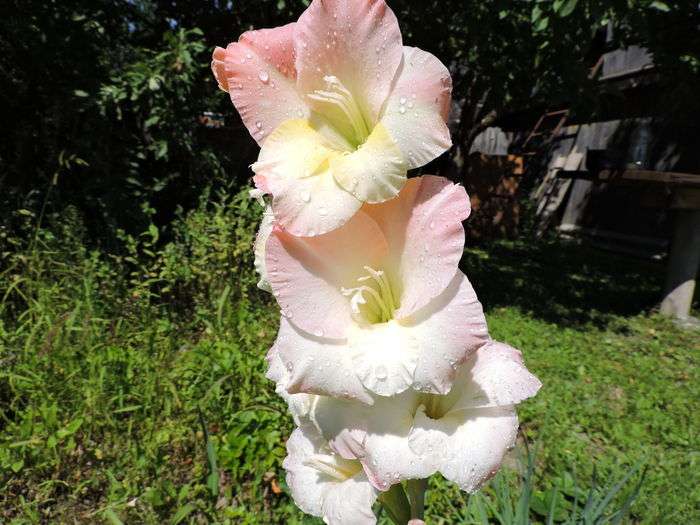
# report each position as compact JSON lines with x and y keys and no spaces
{"x":132,"y":335}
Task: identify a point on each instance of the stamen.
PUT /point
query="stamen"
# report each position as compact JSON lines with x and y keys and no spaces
{"x":332,"y":467}
{"x":379,"y":303}
{"x":380,"y":278}
{"x":338,"y":96}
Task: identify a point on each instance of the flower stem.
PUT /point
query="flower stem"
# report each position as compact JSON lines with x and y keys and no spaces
{"x":396,"y":504}
{"x":416,"y":493}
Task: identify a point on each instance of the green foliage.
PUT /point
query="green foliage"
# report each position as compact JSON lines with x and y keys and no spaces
{"x":132,"y":383}
{"x":122,"y":85}
{"x":132,"y":336}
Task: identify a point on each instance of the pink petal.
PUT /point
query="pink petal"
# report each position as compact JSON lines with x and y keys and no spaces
{"x":447,"y":330}
{"x":357,"y":41}
{"x":418,"y":107}
{"x":317,"y":365}
{"x":424,"y":228}
{"x":258,"y":72}
{"x":218,"y":67}
{"x":308,"y":273}
{"x":496,"y":376}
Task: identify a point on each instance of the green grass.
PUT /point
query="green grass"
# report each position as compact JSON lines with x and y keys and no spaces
{"x":141,"y":399}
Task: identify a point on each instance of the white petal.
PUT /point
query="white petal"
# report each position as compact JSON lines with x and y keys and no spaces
{"x":447,"y":330}
{"x":305,"y":483}
{"x":264,"y":232}
{"x":384,"y":357}
{"x":337,"y":499}
{"x":317,"y":365}
{"x":377,"y":435}
{"x":471,"y":443}
{"x":300,"y":405}
{"x":496,"y":376}
{"x":295,"y":164}
{"x":350,"y":502}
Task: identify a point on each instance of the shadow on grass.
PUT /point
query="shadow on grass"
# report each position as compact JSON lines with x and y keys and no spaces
{"x":561,"y":281}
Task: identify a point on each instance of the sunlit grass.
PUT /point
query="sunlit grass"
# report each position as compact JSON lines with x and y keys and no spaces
{"x":133,"y":390}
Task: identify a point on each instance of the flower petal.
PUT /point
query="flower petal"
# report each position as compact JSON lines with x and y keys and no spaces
{"x":350,"y":502}
{"x":375,"y":172}
{"x":300,"y":405}
{"x":384,"y":357}
{"x":325,"y":493}
{"x":447,"y":331}
{"x":356,"y":41}
{"x":379,"y":433}
{"x":305,"y":483}
{"x":258,"y":72}
{"x":308,"y":273}
{"x":496,"y":376}
{"x":259,"y":247}
{"x":469,"y":444}
{"x":294,"y":166}
{"x":417,"y":110}
{"x":317,"y":365}
{"x":424,"y":228}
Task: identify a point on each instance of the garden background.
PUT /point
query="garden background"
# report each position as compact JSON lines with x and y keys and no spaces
{"x":132,"y":336}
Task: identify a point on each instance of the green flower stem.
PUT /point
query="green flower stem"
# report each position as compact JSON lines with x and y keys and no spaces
{"x":396,"y":504}
{"x":416,"y":492}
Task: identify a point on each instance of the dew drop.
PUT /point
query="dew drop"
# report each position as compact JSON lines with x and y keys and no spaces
{"x":402,"y":100}
{"x":258,"y":124}
{"x":381,"y":372}
{"x":402,"y":110}
{"x":305,"y":196}
{"x":264,"y":77}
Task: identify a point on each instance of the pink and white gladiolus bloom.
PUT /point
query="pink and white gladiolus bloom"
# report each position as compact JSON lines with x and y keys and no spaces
{"x":340,"y":107}
{"x":379,"y":305}
{"x":463,"y":435}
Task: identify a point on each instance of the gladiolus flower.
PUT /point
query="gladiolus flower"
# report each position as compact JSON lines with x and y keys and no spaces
{"x":463,"y":435}
{"x":379,"y":304}
{"x":340,"y":108}
{"x":326,"y":485}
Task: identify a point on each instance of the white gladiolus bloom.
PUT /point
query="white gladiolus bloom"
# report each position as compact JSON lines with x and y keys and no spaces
{"x":463,"y":435}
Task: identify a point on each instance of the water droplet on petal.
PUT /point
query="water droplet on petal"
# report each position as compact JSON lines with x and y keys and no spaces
{"x":402,"y":100}
{"x":264,"y":77}
{"x":402,"y":110}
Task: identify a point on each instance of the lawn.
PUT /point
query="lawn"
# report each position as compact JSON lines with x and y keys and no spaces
{"x":142,"y":399}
